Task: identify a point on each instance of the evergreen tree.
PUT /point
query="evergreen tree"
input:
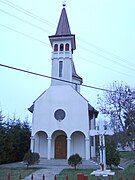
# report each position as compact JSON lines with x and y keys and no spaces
{"x":112,"y":155}
{"x":14,"y":139}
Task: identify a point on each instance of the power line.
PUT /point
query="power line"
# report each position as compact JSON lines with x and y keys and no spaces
{"x":50,"y":32}
{"x":22,"y":10}
{"x":51,"y":24}
{"x":102,"y":56}
{"x":103,"y":66}
{"x":50,"y":77}
{"x":28,"y":36}
{"x":24,"y":21}
{"x":105,"y":51}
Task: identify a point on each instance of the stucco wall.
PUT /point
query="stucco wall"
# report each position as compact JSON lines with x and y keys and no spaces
{"x":60,"y":97}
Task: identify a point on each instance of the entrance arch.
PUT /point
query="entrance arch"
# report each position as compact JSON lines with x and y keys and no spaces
{"x":61,"y":147}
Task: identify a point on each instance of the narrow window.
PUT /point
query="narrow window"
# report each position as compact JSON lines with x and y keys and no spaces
{"x":60,"y":68}
{"x":67,"y":47}
{"x":61,"y":47}
{"x":56,"y":47}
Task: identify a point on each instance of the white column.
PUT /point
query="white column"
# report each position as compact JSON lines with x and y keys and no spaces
{"x":32,"y":143}
{"x":68,"y":147}
{"x":100,"y":151}
{"x":104,"y":153}
{"x":94,"y":147}
{"x":49,"y":148}
{"x":87,"y":148}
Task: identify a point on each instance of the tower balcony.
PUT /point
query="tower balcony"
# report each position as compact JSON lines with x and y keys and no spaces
{"x":61,"y":54}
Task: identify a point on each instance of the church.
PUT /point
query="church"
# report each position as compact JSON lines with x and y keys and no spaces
{"x":62,"y":117}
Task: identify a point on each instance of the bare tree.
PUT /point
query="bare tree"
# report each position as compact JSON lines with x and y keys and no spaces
{"x":117,"y":104}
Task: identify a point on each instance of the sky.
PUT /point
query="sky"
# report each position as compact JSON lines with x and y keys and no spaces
{"x":105,"y":41}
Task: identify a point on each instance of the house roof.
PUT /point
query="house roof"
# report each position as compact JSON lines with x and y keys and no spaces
{"x":63,"y":27}
{"x":92,"y":111}
{"x":74,"y":74}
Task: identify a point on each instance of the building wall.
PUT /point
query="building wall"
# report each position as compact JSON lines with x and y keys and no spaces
{"x":75,"y":125}
{"x":60,"y":97}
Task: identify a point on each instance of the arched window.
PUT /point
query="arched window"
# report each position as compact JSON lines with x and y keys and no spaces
{"x":56,"y":47}
{"x":67,"y":47}
{"x":61,"y":47}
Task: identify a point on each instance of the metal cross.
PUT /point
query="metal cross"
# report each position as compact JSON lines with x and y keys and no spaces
{"x":64,"y":3}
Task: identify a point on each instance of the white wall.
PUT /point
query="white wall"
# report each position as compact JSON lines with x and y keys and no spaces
{"x":61,"y":97}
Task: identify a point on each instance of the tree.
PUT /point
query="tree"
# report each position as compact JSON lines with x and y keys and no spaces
{"x":14,"y":139}
{"x":117,"y":104}
{"x":112,"y":155}
{"x":30,"y":158}
{"x":74,"y":160}
{"x":2,"y":138}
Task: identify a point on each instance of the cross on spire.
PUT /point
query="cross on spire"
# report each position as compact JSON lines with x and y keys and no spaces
{"x":64,"y":3}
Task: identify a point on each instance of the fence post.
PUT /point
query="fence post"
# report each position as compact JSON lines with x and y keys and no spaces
{"x":108,"y":177}
{"x":8,"y":176}
{"x":96,"y":178}
{"x":80,"y":176}
{"x":121,"y":178}
{"x":66,"y":177}
{"x":43,"y":178}
{"x":32,"y":178}
{"x":85,"y":177}
{"x":55,"y":177}
{"x":133,"y":177}
{"x":20,"y":177}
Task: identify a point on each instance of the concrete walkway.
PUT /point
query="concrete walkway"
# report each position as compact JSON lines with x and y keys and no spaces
{"x":49,"y":173}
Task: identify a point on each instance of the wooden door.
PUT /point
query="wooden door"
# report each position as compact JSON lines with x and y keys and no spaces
{"x":61,"y":147}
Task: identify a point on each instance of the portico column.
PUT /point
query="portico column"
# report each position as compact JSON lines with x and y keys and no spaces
{"x":100,"y":151}
{"x":68,"y":147}
{"x":49,"y":148}
{"x":94,"y":147}
{"x":87,"y":148}
{"x":32,"y":143}
{"x":104,"y":153}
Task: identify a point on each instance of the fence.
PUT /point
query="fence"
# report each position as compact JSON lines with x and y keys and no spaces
{"x":80,"y":176}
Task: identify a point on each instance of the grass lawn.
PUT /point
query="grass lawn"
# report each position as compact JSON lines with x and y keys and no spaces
{"x":127,"y":155}
{"x":72,"y":174}
{"x":15,"y":173}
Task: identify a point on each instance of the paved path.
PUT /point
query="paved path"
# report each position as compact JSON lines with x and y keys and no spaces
{"x":49,"y":173}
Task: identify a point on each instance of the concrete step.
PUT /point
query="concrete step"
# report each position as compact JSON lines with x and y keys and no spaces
{"x":63,"y":162}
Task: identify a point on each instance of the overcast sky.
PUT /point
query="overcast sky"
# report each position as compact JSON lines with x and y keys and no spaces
{"x":105,"y":38}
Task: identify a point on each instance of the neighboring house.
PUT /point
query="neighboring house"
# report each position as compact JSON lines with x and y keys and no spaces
{"x":126,"y":147}
{"x":62,"y":117}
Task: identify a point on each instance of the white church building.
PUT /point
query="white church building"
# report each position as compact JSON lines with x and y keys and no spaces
{"x":62,"y":117}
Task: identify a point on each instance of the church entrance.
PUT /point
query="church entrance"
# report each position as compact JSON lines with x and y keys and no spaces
{"x":61,"y":147}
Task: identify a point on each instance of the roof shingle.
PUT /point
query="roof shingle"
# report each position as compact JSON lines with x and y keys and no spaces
{"x":63,"y":27}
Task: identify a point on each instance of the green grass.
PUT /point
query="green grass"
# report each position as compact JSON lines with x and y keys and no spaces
{"x":127,"y":154}
{"x":72,"y":174}
{"x":15,"y":173}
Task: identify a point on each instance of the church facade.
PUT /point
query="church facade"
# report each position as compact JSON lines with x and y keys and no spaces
{"x":62,"y":117}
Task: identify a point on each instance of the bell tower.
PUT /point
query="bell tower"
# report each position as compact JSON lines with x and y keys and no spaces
{"x":63,"y":44}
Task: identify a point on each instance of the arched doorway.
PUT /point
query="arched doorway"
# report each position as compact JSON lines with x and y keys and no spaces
{"x":41,"y":144}
{"x":61,"y":147}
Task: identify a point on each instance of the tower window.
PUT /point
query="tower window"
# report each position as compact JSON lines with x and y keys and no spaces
{"x":61,"y":47}
{"x":67,"y":47}
{"x":56,"y":47}
{"x":60,"y":68}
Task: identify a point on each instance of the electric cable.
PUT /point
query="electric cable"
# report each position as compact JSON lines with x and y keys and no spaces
{"x":50,"y":77}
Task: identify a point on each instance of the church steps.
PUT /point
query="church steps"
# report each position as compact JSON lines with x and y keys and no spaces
{"x":63,"y":162}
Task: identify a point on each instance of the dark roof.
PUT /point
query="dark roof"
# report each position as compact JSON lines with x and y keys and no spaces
{"x":74,"y":74}
{"x":31,"y":108}
{"x":63,"y":27}
{"x":92,"y":111}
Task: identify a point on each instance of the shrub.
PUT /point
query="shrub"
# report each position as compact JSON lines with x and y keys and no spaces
{"x":31,"y":158}
{"x":74,"y":160}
